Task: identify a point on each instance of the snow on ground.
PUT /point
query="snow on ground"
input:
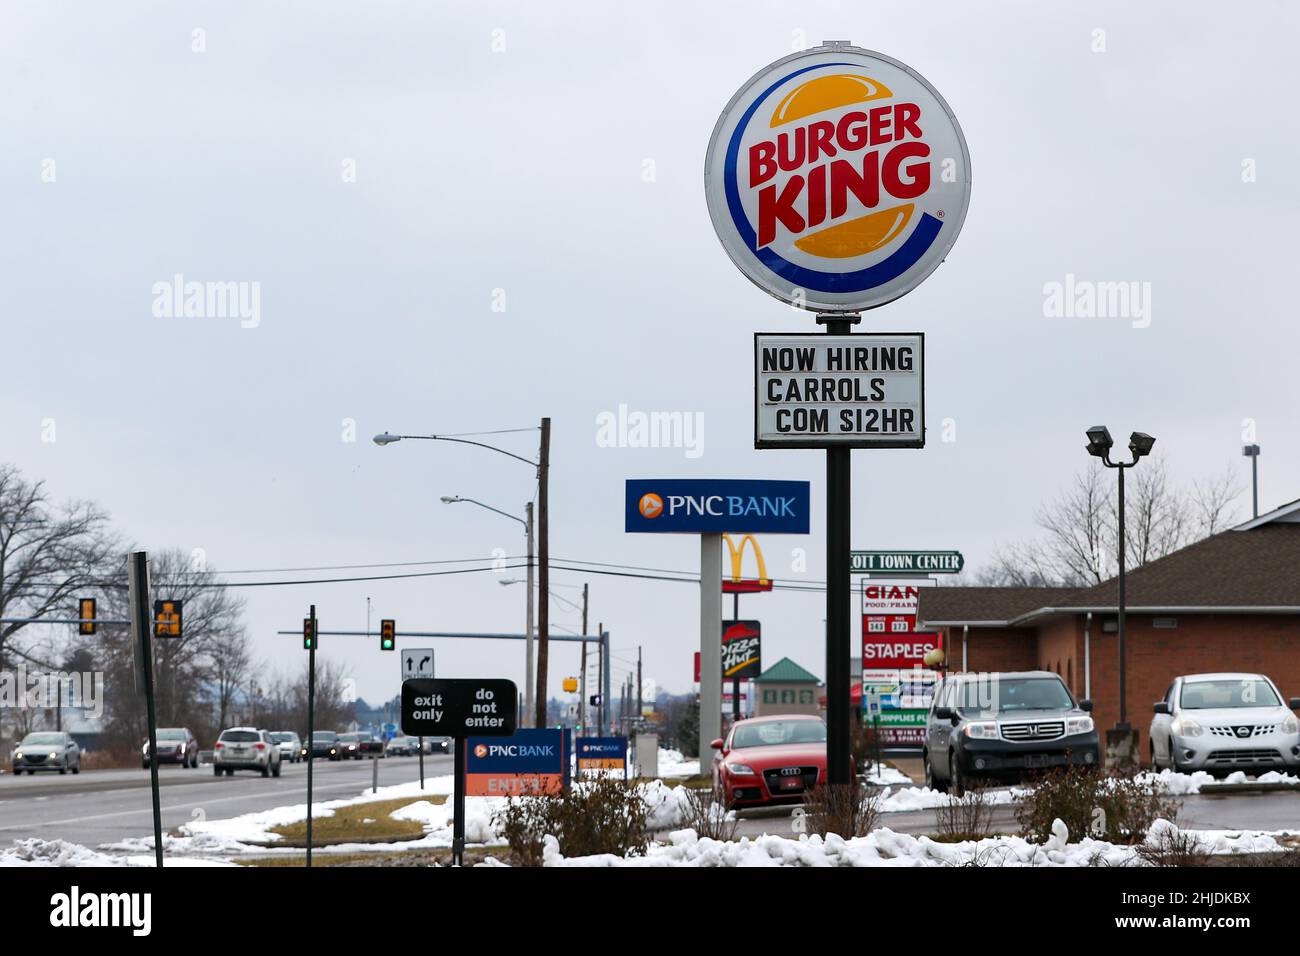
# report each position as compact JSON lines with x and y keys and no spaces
{"x":673,"y":765}
{"x":884,"y":847}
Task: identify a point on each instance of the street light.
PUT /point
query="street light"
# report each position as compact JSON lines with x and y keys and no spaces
{"x":1252,"y":452}
{"x":542,"y":464}
{"x":1139,"y":446}
{"x":528,"y":632}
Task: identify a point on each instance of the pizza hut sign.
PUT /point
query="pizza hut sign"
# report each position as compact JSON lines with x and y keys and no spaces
{"x":741,"y":650}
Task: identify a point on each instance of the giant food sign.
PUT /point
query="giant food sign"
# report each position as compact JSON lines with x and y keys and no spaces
{"x":837,"y":179}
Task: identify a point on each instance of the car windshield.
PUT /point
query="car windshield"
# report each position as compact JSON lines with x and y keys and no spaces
{"x":1236,"y":692}
{"x":240,"y":736}
{"x":769,"y":733}
{"x":171,"y":735}
{"x":42,"y":740}
{"x":1013,"y":694}
{"x":325,"y":736}
{"x":282,"y":738}
{"x":349,"y":738}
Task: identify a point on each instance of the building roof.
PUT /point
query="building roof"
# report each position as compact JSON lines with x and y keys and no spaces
{"x":786,"y":671}
{"x":982,"y":605}
{"x":1248,"y":569}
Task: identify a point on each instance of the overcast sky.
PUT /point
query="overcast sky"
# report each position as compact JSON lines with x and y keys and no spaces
{"x":550,"y":156}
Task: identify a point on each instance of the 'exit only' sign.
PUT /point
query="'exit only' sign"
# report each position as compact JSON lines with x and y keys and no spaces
{"x":459,"y":707}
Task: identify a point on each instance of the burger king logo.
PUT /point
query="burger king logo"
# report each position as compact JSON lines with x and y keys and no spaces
{"x":650,"y":505}
{"x":837,"y":179}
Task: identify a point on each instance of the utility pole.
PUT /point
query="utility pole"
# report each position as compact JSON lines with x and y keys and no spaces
{"x":544,"y":572}
{"x":529,"y":667}
{"x":640,"y":704}
{"x":582,"y":687}
{"x":602,"y":682}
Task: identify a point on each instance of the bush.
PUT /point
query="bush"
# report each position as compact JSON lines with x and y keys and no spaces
{"x":604,"y":815}
{"x":1118,"y":807}
{"x":968,"y":817}
{"x":704,"y":812}
{"x":847,"y":810}
{"x":863,"y":744}
{"x":1174,"y":847}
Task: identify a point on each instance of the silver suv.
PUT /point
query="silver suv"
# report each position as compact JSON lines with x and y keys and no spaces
{"x":245,"y":748}
{"x":1225,"y":722}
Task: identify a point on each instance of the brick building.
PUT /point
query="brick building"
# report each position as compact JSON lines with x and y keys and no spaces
{"x":1228,"y":603}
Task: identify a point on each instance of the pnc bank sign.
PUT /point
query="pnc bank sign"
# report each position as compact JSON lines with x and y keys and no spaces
{"x":716,"y":506}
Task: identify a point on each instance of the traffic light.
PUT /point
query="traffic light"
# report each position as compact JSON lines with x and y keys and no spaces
{"x":388,"y":635}
{"x":307,"y":635}
{"x":167,"y":618}
{"x":86,"y":612}
{"x":594,"y":700}
{"x":570,"y":684}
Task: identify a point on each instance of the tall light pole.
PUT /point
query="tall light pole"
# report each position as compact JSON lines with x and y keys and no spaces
{"x":1122,"y":736}
{"x":528,"y":630}
{"x":1252,"y":452}
{"x":543,"y":467}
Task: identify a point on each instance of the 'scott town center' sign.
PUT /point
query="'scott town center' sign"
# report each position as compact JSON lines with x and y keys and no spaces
{"x":837,"y":179}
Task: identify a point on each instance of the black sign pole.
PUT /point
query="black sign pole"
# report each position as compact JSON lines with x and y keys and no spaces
{"x":735,"y":681}
{"x":421,"y":763}
{"x":311,"y":722}
{"x":144,"y":626}
{"x":838,"y":593}
{"x":458,"y":805}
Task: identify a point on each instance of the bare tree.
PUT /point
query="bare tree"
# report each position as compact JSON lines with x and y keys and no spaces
{"x":49,"y":555}
{"x":1081,"y":527}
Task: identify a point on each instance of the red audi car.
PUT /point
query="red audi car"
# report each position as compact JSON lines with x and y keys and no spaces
{"x":769,"y":760}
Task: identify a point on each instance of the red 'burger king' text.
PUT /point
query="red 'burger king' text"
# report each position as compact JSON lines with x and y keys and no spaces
{"x":824,"y":176}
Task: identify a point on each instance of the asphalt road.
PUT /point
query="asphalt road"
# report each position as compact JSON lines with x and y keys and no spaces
{"x":105,"y":806}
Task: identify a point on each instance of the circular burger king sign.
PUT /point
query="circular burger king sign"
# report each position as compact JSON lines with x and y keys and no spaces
{"x":837,"y":179}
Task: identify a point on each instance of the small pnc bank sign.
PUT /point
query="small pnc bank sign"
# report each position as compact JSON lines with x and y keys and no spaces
{"x":716,"y":506}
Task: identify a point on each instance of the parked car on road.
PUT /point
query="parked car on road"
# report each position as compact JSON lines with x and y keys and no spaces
{"x":1225,"y":722}
{"x":325,"y":743}
{"x":289,"y":744}
{"x":245,"y":748}
{"x":1003,"y":725}
{"x":372,"y":745}
{"x":770,"y":760}
{"x":46,"y":750}
{"x":175,"y":745}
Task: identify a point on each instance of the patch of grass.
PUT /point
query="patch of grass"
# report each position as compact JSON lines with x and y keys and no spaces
{"x":408,"y":858}
{"x":699,"y":780}
{"x":348,"y":825}
{"x":962,"y":837}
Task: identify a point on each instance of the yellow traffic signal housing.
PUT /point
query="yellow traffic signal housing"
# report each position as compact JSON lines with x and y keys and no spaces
{"x":388,"y":635}
{"x":167,"y":618}
{"x":570,"y":684}
{"x":86,"y":613}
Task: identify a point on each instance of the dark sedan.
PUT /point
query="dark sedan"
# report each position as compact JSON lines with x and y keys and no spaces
{"x":175,"y":745}
{"x":46,"y":750}
{"x":325,"y":743}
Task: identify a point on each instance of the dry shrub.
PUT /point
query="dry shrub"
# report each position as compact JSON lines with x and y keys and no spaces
{"x":968,"y":817}
{"x":1117,"y":807}
{"x":597,"y":816}
{"x":103,"y":759}
{"x":846,"y":809}
{"x":1174,"y":847}
{"x":705,"y":812}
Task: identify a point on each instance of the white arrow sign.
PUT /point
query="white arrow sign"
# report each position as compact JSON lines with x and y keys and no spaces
{"x":417,"y":662}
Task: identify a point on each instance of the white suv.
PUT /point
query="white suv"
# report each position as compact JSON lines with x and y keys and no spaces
{"x":1225,"y":722}
{"x":245,"y":748}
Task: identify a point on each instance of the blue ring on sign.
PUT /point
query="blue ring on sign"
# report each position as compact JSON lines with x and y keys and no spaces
{"x":893,"y":266}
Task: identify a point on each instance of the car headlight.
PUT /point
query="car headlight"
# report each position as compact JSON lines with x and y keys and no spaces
{"x":54,"y":753}
{"x":982,"y":730}
{"x":1290,"y":725}
{"x":1186,"y":727}
{"x":740,"y":770}
{"x":18,"y":755}
{"x":1078,"y":725}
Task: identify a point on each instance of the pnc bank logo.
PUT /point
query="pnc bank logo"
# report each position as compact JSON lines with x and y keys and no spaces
{"x":650,"y":505}
{"x":481,"y":751}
